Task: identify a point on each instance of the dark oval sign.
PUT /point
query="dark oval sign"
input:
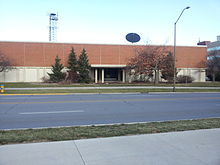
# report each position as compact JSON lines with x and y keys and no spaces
{"x":133,"y":37}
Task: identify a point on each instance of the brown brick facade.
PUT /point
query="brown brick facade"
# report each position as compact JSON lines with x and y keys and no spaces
{"x":43,"y":54}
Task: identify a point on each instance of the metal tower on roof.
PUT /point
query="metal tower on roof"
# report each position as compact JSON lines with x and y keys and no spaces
{"x":53,"y":27}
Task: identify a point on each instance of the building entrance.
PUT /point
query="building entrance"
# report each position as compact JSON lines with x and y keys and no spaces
{"x":112,"y":74}
{"x":109,"y":75}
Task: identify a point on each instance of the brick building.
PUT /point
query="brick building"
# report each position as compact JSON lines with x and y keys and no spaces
{"x":32,"y":60}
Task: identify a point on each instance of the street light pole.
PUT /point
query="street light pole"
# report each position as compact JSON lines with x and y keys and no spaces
{"x":174,"y":50}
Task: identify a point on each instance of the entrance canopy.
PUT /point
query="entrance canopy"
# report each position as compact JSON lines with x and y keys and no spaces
{"x":108,"y":73}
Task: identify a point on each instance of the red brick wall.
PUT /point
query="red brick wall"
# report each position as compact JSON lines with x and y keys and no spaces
{"x":43,"y":54}
{"x":191,"y":57}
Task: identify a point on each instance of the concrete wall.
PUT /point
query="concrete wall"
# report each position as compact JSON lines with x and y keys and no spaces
{"x":198,"y":74}
{"x":25,"y":74}
{"x":35,"y":74}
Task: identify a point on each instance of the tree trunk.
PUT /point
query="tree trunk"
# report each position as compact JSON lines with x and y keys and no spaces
{"x":156,"y":79}
{"x":213,"y":77}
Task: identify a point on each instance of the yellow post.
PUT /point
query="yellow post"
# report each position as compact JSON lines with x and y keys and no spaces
{"x":2,"y":88}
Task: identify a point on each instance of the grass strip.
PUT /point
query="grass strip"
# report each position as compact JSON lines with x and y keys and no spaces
{"x":33,"y":85}
{"x":84,"y":132}
{"x":43,"y":91}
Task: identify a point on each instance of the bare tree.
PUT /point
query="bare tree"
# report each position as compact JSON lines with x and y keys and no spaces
{"x":149,"y":61}
{"x":168,"y":67}
{"x":5,"y":64}
{"x":213,"y":65}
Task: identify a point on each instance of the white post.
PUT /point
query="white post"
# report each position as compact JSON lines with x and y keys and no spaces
{"x":96,"y":75}
{"x":103,"y":75}
{"x":123,"y":75}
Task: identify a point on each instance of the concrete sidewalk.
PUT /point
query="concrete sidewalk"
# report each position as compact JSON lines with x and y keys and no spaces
{"x":200,"y":147}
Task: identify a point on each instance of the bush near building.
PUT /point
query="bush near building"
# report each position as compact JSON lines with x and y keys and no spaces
{"x":184,"y":79}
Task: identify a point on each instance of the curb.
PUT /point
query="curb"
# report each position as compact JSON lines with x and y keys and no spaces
{"x":35,"y":94}
{"x":67,"y":94}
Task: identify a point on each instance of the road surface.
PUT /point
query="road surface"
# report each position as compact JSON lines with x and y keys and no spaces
{"x":36,"y":111}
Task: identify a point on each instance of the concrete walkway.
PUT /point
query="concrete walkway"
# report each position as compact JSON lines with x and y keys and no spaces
{"x":201,"y":147}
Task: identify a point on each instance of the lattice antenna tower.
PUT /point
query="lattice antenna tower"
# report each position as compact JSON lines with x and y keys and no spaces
{"x":53,"y":27}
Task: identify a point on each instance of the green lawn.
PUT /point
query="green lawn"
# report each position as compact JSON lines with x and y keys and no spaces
{"x":73,"y":133}
{"x":30,"y":85}
{"x":72,"y":91}
{"x":33,"y":85}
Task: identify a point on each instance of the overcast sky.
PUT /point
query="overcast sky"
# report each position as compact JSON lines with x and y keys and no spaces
{"x":108,"y":21}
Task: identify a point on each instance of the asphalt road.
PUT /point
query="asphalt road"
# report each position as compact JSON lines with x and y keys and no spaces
{"x":34,"y":111}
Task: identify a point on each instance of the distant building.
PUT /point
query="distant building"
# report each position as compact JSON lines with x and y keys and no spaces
{"x":214,"y":48}
{"x":32,"y":60}
{"x":203,"y":43}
